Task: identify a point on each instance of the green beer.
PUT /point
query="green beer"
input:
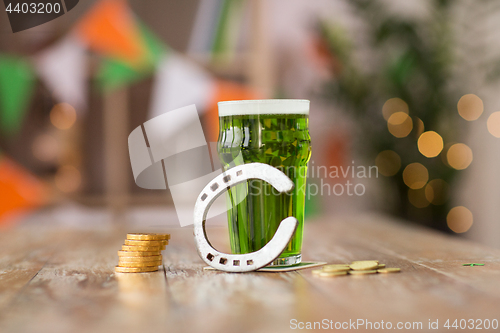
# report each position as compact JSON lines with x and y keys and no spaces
{"x":273,"y":132}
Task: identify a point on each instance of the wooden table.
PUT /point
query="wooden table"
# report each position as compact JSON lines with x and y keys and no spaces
{"x":54,"y":280}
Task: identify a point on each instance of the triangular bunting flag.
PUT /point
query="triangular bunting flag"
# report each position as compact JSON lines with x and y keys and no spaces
{"x":63,"y":67}
{"x":16,"y":86}
{"x":115,"y":73}
{"x":19,"y":191}
{"x":180,"y":82}
{"x":110,"y":30}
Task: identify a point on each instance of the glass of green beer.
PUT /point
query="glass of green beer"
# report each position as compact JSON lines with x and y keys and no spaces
{"x":273,"y":132}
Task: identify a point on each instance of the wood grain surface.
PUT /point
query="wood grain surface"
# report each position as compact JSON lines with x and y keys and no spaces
{"x":54,"y":280}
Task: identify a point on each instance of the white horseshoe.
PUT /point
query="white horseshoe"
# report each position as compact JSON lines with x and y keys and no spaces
{"x":248,"y":261}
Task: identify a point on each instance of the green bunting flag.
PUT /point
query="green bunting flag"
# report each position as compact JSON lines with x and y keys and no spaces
{"x":16,"y":86}
{"x":114,"y":73}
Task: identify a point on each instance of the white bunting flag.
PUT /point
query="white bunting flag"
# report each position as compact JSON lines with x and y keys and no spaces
{"x":180,"y":82}
{"x":63,"y":68}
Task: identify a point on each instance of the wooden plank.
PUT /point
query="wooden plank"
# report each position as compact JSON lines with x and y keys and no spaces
{"x":443,"y":253}
{"x":417,"y":293}
{"x":77,"y":289}
{"x":236,"y":302}
{"x":23,"y":254}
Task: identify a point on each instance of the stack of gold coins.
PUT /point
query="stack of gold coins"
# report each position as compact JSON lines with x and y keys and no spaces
{"x":362,"y":267}
{"x":141,"y":253}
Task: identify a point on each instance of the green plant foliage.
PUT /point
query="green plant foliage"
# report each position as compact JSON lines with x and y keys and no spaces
{"x":412,"y":60}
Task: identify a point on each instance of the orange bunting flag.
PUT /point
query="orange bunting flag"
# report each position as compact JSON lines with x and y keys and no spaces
{"x":111,"y":30}
{"x":224,"y":91}
{"x":19,"y":191}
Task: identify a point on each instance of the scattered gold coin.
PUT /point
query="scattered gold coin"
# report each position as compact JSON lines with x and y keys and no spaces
{"x":336,"y":268}
{"x":389,"y":270}
{"x":140,"y":264}
{"x":133,"y":242}
{"x":138,"y":253}
{"x":332,"y":274}
{"x":140,"y":259}
{"x":362,"y":272}
{"x":141,"y":248}
{"x":136,"y":269}
{"x":364,"y":265}
{"x":358,"y":261}
{"x":360,"y":267}
{"x":141,"y":236}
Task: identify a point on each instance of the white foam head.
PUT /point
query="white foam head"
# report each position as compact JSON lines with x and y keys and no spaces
{"x":264,"y":106}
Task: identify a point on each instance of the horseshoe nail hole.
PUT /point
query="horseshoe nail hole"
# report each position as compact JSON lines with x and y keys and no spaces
{"x":203,"y":197}
{"x":210,"y":256}
{"x":214,"y":186}
{"x":236,"y":262}
{"x":239,"y":173}
{"x":226,"y":179}
{"x":223,"y":261}
{"x":250,"y":262}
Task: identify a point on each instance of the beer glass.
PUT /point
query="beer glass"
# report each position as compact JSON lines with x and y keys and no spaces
{"x":273,"y":132}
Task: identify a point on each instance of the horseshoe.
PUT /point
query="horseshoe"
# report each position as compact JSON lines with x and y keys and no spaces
{"x":249,"y":261}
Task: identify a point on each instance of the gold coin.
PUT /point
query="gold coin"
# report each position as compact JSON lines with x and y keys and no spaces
{"x":380,"y":266}
{"x":141,"y":236}
{"x":136,"y":269}
{"x":364,"y":265}
{"x":165,"y":242}
{"x":138,"y":253}
{"x":362,"y":272}
{"x":139,"y":264}
{"x":358,"y":261}
{"x":332,"y":274}
{"x":389,"y":270}
{"x":336,"y":268}
{"x":143,"y":243}
{"x":316,"y":271}
{"x":140,"y":259}
{"x":141,"y":248}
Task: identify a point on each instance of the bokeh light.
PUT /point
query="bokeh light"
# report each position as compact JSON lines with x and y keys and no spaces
{"x":459,"y":219}
{"x":415,"y":176}
{"x":388,"y":163}
{"x":400,"y":124}
{"x":68,"y":179}
{"x":494,"y":124}
{"x":394,"y":105}
{"x":418,"y":126}
{"x":437,"y":192}
{"x":63,"y":116}
{"x":417,"y":198}
{"x":46,"y":148}
{"x":430,"y":144}
{"x":459,"y":156}
{"x":470,"y":107}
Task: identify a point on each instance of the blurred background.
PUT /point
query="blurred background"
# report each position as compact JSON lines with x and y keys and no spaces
{"x":408,"y":86}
